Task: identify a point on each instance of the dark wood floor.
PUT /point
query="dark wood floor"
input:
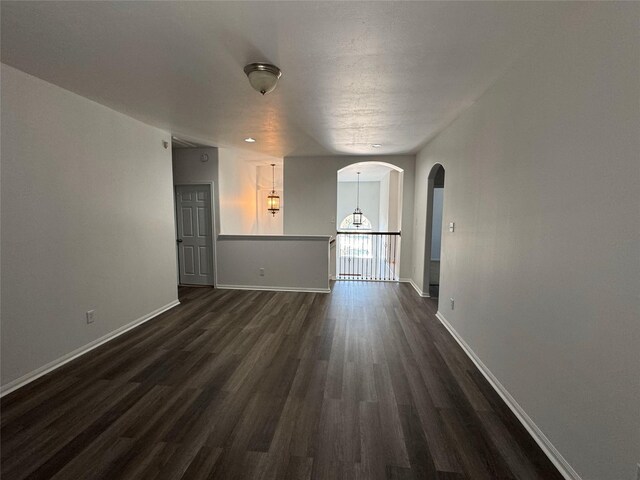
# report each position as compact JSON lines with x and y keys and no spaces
{"x":362,"y":383}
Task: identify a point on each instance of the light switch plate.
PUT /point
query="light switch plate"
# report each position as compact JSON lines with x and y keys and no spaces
{"x":452,"y":226}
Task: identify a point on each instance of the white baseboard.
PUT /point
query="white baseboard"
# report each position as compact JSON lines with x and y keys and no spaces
{"x":49,"y":367}
{"x":545,"y":444}
{"x":274,"y":289}
{"x":415,"y":287}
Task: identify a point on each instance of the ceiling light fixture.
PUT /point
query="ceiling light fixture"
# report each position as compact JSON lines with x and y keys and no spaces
{"x":376,"y":145}
{"x":263,"y":77}
{"x":357,"y":213}
{"x":273,"y":200}
{"x":250,"y":140}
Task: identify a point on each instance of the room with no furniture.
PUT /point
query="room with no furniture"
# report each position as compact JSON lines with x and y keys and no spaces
{"x":320,"y":240}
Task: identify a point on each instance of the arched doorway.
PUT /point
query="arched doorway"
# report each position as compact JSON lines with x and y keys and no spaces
{"x":370,"y":250}
{"x":433,"y":234}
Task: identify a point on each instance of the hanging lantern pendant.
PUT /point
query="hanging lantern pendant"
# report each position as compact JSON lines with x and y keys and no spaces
{"x":357,"y":213}
{"x":273,"y":200}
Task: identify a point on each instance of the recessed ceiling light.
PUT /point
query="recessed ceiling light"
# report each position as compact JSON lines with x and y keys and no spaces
{"x":250,"y":140}
{"x":376,"y":145}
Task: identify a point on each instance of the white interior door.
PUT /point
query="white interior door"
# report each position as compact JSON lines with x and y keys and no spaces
{"x":195,"y":239}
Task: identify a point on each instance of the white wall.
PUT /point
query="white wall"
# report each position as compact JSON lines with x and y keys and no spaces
{"x":245,"y":181}
{"x":289,"y":262}
{"x":391,"y":187}
{"x":383,"y":209}
{"x":369,"y":201}
{"x":238,"y":197}
{"x":543,"y":182}
{"x":394,"y":214}
{"x":310,"y":190}
{"x":87,"y":222}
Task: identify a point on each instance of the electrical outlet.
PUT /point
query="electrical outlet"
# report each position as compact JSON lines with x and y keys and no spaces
{"x":453,"y":303}
{"x":91,"y":316}
{"x":262,"y":272}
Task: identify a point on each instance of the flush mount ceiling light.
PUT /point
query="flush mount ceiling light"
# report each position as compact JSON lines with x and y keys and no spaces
{"x":263,"y":77}
{"x":250,"y":140}
{"x":376,"y":145}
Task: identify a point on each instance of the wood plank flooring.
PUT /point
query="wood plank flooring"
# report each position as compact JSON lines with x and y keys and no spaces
{"x":363,"y":383}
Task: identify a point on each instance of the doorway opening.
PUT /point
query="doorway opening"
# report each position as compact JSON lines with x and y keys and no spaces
{"x":433,"y":237}
{"x":194,"y":230}
{"x":369,"y":249}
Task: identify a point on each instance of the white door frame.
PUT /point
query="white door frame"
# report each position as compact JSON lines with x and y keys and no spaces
{"x":213,"y":227}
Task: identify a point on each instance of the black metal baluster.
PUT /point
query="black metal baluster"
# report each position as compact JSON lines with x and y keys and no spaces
{"x":395,"y":251}
{"x":375,"y":258}
{"x":381,"y":257}
{"x":369,"y":244}
{"x":393,"y":258}
{"x":347,"y":257}
{"x":380,"y":239}
{"x":386,"y":258}
{"x":364,"y":259}
{"x":350,"y":258}
{"x":360,"y":256}
{"x":340,"y":257}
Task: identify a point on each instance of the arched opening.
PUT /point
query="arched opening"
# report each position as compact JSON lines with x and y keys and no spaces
{"x":370,"y":250}
{"x":433,"y":234}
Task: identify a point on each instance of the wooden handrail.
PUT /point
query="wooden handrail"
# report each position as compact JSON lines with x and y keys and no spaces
{"x":366,"y":232}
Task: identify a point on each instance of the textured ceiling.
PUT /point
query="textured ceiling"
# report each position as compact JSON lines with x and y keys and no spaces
{"x":354,"y":73}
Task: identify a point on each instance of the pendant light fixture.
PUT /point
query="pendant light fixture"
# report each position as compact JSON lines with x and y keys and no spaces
{"x":357,"y":213}
{"x":273,"y":200}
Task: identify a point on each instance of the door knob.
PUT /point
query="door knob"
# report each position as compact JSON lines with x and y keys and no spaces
{"x":179,"y":240}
